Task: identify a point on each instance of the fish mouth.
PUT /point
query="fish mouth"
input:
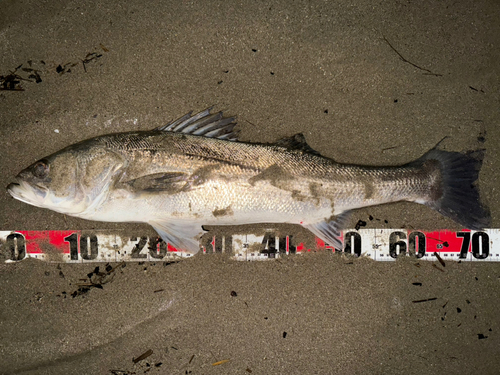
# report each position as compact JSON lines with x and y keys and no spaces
{"x":13,"y":189}
{"x":27,"y":193}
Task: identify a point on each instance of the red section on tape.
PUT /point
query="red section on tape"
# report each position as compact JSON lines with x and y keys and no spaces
{"x":444,"y":241}
{"x":35,"y":240}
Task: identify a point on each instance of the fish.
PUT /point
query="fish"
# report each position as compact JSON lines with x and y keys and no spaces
{"x":194,"y":171}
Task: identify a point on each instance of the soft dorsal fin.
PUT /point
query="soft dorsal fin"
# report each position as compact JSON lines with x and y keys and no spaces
{"x":205,"y":124}
{"x":296,"y":142}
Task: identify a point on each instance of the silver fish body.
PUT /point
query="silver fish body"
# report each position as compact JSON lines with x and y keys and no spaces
{"x":191,"y":173}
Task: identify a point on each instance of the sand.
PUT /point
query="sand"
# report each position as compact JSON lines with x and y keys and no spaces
{"x":366,"y":83}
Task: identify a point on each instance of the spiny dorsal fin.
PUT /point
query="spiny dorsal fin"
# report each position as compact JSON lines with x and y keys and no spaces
{"x":204,"y":124}
{"x":297,"y":142}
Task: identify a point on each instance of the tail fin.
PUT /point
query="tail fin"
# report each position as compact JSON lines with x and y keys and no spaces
{"x":460,"y":196}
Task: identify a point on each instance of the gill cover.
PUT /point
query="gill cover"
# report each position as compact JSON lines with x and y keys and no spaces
{"x":97,"y":169}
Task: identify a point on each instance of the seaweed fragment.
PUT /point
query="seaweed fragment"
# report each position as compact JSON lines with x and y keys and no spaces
{"x":96,"y":279}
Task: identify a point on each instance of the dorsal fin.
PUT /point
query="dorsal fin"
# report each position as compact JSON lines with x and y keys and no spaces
{"x":296,"y":142}
{"x":205,"y":124}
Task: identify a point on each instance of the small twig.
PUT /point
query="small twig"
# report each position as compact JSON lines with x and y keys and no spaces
{"x":389,"y":148}
{"x":220,"y":362}
{"x":428,"y":72}
{"x":436,"y":267}
{"x":143,"y":356}
{"x":425,"y":300}
{"x":251,"y":123}
{"x":440,"y":259}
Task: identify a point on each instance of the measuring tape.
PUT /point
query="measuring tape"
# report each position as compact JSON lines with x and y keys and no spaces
{"x":77,"y":246}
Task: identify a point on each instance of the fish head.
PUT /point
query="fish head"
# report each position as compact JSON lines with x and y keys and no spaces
{"x":72,"y":181}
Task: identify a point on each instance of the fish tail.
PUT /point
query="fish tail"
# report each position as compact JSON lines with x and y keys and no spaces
{"x":455,"y":192}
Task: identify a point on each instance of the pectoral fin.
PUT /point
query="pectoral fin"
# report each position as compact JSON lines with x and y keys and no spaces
{"x":330,"y":231}
{"x":171,"y":182}
{"x":182,"y":236}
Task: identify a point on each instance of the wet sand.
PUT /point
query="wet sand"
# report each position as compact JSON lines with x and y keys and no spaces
{"x":366,"y":83}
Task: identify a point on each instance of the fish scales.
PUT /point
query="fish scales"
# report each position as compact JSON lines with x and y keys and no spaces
{"x":342,"y":185}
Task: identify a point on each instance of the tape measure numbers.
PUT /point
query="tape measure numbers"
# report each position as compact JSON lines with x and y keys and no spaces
{"x":76,"y":246}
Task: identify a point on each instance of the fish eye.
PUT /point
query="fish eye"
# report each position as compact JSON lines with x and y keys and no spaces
{"x":41,"y":169}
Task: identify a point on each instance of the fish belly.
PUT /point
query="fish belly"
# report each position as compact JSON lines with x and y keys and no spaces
{"x":218,"y":202}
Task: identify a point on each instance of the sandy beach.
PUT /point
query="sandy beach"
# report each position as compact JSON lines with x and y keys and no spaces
{"x":366,"y":83}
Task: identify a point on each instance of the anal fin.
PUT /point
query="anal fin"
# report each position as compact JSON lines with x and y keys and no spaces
{"x":330,"y":231}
